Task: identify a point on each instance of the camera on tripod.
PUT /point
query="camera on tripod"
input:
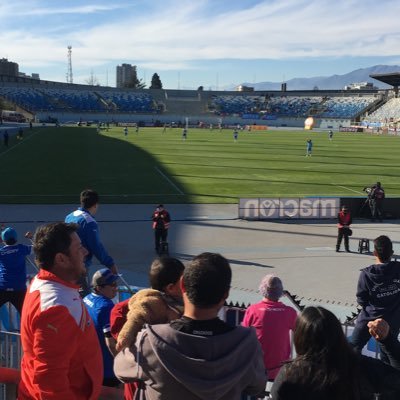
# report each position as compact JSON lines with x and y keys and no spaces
{"x":368,"y":190}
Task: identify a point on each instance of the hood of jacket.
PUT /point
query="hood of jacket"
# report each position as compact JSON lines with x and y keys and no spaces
{"x":206,"y":366}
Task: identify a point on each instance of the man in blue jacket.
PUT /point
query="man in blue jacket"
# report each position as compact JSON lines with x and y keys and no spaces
{"x":13,"y":269}
{"x":378,"y":293}
{"x":89,"y":234}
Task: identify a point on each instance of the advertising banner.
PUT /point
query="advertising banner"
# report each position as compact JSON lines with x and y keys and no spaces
{"x":289,"y":208}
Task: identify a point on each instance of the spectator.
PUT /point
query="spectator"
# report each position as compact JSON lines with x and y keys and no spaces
{"x":13,"y":269}
{"x":62,"y":357}
{"x":89,"y":234}
{"x":327,"y":368}
{"x":6,"y":138}
{"x":160,"y":304}
{"x":273,"y":322}
{"x":198,"y":355}
{"x":378,"y":293}
{"x":99,"y":305}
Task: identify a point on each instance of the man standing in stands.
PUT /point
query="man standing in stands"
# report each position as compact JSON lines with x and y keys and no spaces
{"x":89,"y":234}
{"x":344,"y":222}
{"x":197,"y":356}
{"x":6,"y":138}
{"x":62,"y":357}
{"x":377,"y":196}
{"x":161,"y":221}
{"x":273,"y":322}
{"x":99,"y":304}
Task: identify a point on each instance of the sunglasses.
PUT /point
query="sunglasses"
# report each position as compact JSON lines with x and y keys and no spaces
{"x":114,"y":284}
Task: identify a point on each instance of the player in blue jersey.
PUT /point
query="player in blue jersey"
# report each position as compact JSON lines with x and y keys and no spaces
{"x":309,"y":146}
{"x":13,"y":269}
{"x":99,"y":306}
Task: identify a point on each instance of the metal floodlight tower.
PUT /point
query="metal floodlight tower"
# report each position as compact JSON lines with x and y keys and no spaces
{"x":69,"y":72}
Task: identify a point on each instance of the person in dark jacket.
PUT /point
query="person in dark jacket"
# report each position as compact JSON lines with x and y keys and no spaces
{"x":344,"y":222}
{"x":378,"y":292}
{"x":377,"y":196}
{"x":326,"y":367}
{"x":161,"y":221}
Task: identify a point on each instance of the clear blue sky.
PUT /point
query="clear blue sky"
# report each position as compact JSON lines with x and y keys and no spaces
{"x":200,"y":42}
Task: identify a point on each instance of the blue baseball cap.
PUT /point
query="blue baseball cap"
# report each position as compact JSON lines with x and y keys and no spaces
{"x":9,"y":234}
{"x":103,"y":277}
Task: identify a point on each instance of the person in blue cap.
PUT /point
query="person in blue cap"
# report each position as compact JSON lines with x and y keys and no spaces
{"x":13,"y":268}
{"x":99,"y":305}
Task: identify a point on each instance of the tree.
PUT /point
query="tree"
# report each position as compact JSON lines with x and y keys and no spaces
{"x":134,"y":82}
{"x":200,"y":88}
{"x":156,"y":82}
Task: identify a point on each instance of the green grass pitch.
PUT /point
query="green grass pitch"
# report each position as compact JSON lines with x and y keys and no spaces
{"x":52,"y":165}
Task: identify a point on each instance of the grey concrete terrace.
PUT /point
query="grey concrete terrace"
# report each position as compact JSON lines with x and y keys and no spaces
{"x":302,"y":253}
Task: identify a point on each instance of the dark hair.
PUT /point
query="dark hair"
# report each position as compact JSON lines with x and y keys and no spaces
{"x":89,"y":198}
{"x":383,"y":248}
{"x":207,"y":279}
{"x":325,"y":366}
{"x":52,"y":239}
{"x":163,"y":271}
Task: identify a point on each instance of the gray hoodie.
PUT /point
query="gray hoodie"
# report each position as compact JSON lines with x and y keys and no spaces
{"x":179,"y":366}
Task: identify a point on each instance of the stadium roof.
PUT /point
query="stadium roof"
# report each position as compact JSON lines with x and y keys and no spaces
{"x":392,"y":79}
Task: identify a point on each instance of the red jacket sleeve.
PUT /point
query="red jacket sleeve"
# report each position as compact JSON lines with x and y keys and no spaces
{"x":118,"y":317}
{"x":55,"y":341}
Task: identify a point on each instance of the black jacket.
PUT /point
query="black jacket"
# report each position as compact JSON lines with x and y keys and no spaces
{"x":374,"y":377}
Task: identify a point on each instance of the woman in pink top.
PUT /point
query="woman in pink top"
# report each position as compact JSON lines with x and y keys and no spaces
{"x":272,"y":320}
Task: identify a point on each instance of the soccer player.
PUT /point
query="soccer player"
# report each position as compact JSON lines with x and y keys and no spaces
{"x":184,"y":134}
{"x":309,"y":145}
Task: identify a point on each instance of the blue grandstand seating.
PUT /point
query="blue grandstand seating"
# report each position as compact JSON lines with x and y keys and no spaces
{"x":78,"y":100}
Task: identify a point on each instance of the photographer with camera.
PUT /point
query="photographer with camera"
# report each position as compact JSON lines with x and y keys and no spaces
{"x":377,"y":195}
{"x":344,"y":222}
{"x":161,"y":220}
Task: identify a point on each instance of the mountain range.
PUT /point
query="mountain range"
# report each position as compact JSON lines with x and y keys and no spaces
{"x":334,"y":82}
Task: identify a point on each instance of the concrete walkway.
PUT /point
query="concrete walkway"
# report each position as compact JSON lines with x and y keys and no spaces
{"x":302,"y":253}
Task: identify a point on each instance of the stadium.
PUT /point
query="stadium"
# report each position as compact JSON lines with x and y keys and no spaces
{"x":254,"y":198}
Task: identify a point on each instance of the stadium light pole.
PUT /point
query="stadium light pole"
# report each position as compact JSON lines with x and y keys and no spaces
{"x":69,"y":73}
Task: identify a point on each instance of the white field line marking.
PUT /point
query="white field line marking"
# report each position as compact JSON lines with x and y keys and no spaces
{"x":21,"y":142}
{"x":169,"y":180}
{"x":351,"y":190}
{"x":319,"y":248}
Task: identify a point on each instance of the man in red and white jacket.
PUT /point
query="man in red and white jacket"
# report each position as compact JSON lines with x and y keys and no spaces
{"x":62,"y":356}
{"x":344,"y":222}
